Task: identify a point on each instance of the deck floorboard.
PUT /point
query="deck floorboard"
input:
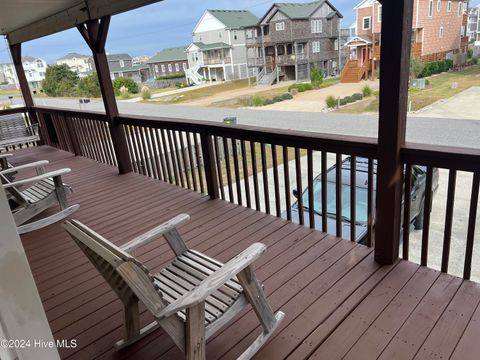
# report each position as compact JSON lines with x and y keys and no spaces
{"x":338,"y":302}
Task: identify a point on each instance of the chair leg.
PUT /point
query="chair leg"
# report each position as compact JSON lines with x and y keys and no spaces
{"x":132,"y":319}
{"x":195,"y":332}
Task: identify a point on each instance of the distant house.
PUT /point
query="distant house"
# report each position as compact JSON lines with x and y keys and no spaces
{"x":473,"y":28}
{"x":218,"y":50}
{"x":170,"y":61}
{"x":79,"y":63}
{"x":34,"y":68}
{"x":438,"y":32}
{"x":121,"y":65}
{"x":291,"y":39}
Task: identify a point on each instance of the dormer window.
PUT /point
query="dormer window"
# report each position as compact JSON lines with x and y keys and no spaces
{"x":280,"y":26}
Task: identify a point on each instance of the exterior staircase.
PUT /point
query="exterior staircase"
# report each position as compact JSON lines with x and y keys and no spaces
{"x":266,"y":78}
{"x":353,"y":73}
{"x":194,"y":76}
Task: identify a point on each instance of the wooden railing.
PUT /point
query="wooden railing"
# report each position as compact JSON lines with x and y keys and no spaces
{"x":260,"y":168}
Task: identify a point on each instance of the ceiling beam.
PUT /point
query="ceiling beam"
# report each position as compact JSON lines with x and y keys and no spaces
{"x":73,"y":16}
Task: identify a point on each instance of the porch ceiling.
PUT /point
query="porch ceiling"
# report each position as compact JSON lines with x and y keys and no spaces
{"x":24,"y":20}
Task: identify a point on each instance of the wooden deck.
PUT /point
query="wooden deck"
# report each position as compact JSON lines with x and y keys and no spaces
{"x":338,"y":302}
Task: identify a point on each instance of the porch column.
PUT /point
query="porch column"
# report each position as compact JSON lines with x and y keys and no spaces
{"x":16,"y":52}
{"x":394,"y":73}
{"x":95,"y":33}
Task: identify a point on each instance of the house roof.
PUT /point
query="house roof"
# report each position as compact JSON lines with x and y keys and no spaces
{"x":116,"y":57}
{"x":73,"y":56}
{"x":298,"y":11}
{"x":124,"y":69}
{"x":170,"y":54}
{"x":235,"y":18}
{"x":359,"y":39}
{"x":218,"y":45}
{"x":28,"y":58}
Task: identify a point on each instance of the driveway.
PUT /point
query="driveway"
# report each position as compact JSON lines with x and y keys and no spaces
{"x":464,"y":105}
{"x":314,"y":100}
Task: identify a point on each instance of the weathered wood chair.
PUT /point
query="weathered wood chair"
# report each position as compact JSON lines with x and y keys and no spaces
{"x":14,"y":131}
{"x":191,"y":299}
{"x":47,"y":189}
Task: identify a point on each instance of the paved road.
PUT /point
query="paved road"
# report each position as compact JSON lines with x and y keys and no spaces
{"x":439,"y":131}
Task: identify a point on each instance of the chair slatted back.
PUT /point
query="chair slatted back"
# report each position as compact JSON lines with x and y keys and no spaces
{"x":13,"y":191}
{"x":110,"y":260}
{"x":13,"y":126}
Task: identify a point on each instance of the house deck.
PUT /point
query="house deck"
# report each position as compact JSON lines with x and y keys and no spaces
{"x":338,"y":302}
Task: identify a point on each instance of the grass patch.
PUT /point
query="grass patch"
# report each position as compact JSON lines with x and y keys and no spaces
{"x":203,"y":92}
{"x":244,"y":101}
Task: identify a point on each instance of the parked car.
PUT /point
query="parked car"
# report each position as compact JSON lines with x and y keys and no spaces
{"x":419,"y":176}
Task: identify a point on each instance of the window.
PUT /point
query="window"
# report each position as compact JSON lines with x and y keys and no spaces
{"x":170,"y":67}
{"x":449,"y":6}
{"x":441,"y":32}
{"x":316,"y":26}
{"x":184,"y":65}
{"x":439,"y":5}
{"x":177,"y":67}
{"x":280,"y":26}
{"x":460,"y":8}
{"x":336,"y":45}
{"x":156,"y":68}
{"x":366,"y":23}
{"x":39,"y":64}
{"x":122,"y":63}
{"x":316,"y":47}
{"x":163,"y":68}
{"x":379,"y":13}
{"x":220,"y":34}
{"x":430,"y":8}
{"x":235,"y":37}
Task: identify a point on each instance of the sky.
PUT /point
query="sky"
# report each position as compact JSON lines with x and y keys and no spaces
{"x":147,"y":30}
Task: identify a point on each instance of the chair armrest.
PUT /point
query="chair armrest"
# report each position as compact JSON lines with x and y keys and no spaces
{"x":214,"y":281}
{"x":52,"y":174}
{"x":35,"y":164}
{"x":155,"y":233}
{"x":6,"y":155}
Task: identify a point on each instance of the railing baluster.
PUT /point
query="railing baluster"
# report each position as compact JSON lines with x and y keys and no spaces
{"x":131,"y":146}
{"x":406,"y":211}
{"x":275,"y":180}
{"x":157,"y":142}
{"x":338,"y":195}
{"x":472,"y":217}
{"x":192,"y":163}
{"x":427,"y":208}
{"x":199,"y":162}
{"x":311,"y":190}
{"x":263,"y":154}
{"x":226,"y":153}
{"x":236,"y":167}
{"x":245,"y":173}
{"x":255,"y":175}
{"x":447,"y":234}
{"x":353,"y":198}
{"x":286,"y":174}
{"x":184,"y":157}
{"x":172,"y":157}
{"x":138,"y":148}
{"x":178,"y":157}
{"x":218,"y":162}
{"x":101,"y":142}
{"x":153,"y":153}
{"x":298,"y":172}
{"x":370,"y":202}
{"x":324,"y":192}
{"x":170,"y":174}
{"x":211,"y":175}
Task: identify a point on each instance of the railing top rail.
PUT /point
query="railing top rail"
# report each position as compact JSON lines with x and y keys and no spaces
{"x":96,"y":115}
{"x":448,"y":157}
{"x":13,"y":110}
{"x":353,"y":145}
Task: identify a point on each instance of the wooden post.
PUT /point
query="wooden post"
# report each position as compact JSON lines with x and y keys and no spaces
{"x":394,"y":68}
{"x":16,"y":52}
{"x":209,"y":166}
{"x":95,"y":33}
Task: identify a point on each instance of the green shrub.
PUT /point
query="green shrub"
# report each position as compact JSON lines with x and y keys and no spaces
{"x":131,"y":85}
{"x":287,"y":96}
{"x":172,"y":76}
{"x":146,"y":93}
{"x":357,"y":96}
{"x":474,"y":60}
{"x":367,"y":91}
{"x":376,"y":93}
{"x":268,"y":102}
{"x":316,"y":77}
{"x":470,"y":53}
{"x":277,"y":99}
{"x":258,"y":101}
{"x":331,"y":102}
{"x":427,"y":82}
{"x":89,"y":86}
{"x":449,"y":64}
{"x":416,"y":67}
{"x":302,"y":87}
{"x":308,"y":87}
{"x":343,"y":102}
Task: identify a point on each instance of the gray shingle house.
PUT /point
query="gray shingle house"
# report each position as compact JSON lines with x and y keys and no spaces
{"x":293,"y":37}
{"x":218,"y":50}
{"x":121,"y":65}
{"x":170,"y":61}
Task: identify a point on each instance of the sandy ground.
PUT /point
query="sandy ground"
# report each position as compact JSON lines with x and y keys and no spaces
{"x":315,"y":100}
{"x":464,"y":105}
{"x":232,"y":94}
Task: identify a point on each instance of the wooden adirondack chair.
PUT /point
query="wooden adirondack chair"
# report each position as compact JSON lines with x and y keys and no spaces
{"x":47,"y":189}
{"x":191,"y":299}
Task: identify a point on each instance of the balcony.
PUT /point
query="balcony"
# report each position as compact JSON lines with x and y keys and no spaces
{"x":328,"y":287}
{"x":254,"y":41}
{"x":217,"y":61}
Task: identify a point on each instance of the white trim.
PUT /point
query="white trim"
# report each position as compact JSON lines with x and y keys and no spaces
{"x":418,"y":9}
{"x":379,"y":12}
{"x":369,"y":22}
{"x":281,"y":27}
